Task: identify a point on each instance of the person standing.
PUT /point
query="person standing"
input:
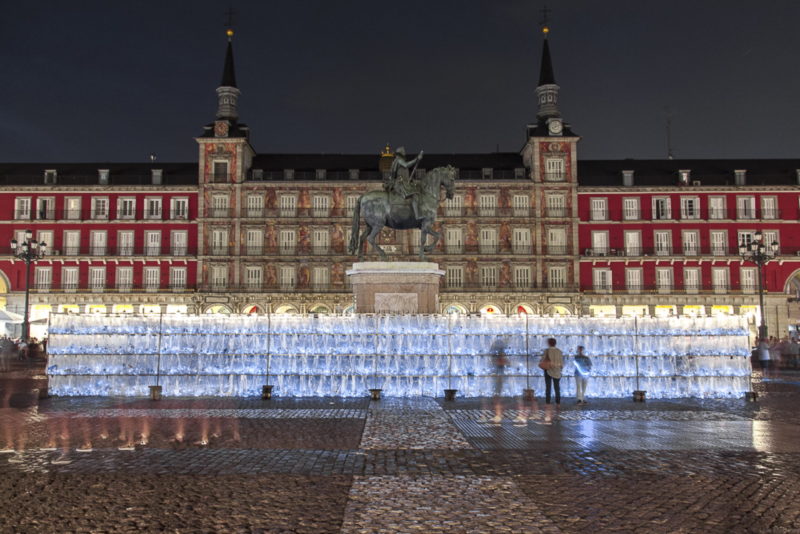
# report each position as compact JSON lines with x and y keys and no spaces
{"x":763,"y":356}
{"x":583,"y":366}
{"x":552,"y":375}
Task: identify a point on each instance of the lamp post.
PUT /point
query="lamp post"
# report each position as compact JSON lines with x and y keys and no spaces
{"x":759,"y":253}
{"x":29,"y":251}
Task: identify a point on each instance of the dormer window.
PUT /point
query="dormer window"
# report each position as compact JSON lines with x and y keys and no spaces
{"x":320,"y":174}
{"x":740,"y":177}
{"x":156,"y":175}
{"x":684,"y":176}
{"x":258,"y":174}
{"x":102,"y":176}
{"x":519,"y":173}
{"x":50,"y":176}
{"x":487,"y":174}
{"x":353,"y":173}
{"x":627,"y":178}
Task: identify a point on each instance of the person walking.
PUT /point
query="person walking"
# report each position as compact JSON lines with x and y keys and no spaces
{"x":552,"y":372}
{"x":583,"y":366}
{"x":499,"y":362}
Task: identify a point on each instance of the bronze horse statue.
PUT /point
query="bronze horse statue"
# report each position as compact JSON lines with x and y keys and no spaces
{"x":380,"y":208}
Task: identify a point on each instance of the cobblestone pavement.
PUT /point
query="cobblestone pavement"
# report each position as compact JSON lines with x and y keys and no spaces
{"x":397,"y":465}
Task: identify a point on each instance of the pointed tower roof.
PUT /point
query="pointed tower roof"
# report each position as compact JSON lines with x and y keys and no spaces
{"x":228,"y":73}
{"x":546,"y":76}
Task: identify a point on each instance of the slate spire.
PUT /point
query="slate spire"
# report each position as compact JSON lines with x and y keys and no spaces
{"x":227,"y":92}
{"x":228,"y":73}
{"x":546,"y":76}
{"x":547,"y":91}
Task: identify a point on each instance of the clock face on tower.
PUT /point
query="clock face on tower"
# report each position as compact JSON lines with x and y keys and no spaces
{"x":221,"y":129}
{"x":554,"y":126}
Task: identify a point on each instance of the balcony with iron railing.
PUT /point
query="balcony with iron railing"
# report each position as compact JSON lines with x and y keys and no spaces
{"x":673,"y":289}
{"x":685,"y":251}
{"x":117,"y":251}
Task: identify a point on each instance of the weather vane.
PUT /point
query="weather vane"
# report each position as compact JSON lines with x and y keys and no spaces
{"x":544,"y":23}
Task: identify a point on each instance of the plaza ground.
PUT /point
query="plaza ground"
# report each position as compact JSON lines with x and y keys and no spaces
{"x":352,"y":465}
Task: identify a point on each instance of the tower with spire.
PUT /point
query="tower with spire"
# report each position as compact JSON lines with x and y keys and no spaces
{"x":550,"y":158}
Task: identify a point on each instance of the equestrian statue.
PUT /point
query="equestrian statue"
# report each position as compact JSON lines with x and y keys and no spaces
{"x":405,"y":203}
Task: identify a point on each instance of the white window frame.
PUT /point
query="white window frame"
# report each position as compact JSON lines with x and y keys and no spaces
{"x":153,"y":207}
{"x":720,"y":279}
{"x":692,"y":279}
{"x":219,"y":241}
{"x":454,"y":276}
{"x":487,"y":204}
{"x":287,"y":277}
{"x":253,"y":277}
{"x":70,"y":278}
{"x":254,"y":241}
{"x":97,"y":278}
{"x":556,"y":205}
{"x":631,"y":208}
{"x":488,"y":240}
{"x":523,"y":276}
{"x":521,"y":240}
{"x":72,"y":208}
{"x":151,"y":278}
{"x":557,"y":246}
{"x":665,"y":279}
{"x":598,"y":209}
{"x":178,"y":248}
{"x":320,"y":205}
{"x":287,"y":241}
{"x":745,"y":208}
{"x":219,"y":277}
{"x":600,"y":243}
{"x":100,"y":208}
{"x":557,"y":277}
{"x":320,"y":240}
{"x":719,"y":246}
{"x":453,"y":207}
{"x":602,"y":280}
{"x":254,"y":206}
{"x":662,"y":242}
{"x":662,"y":208}
{"x":124,"y":214}
{"x":555,"y":169}
{"x":489,"y":276}
{"x":634,"y":280}
{"x":98,"y":242}
{"x":690,"y":208}
{"x":123,"y":278}
{"x":43,"y":277}
{"x":633,"y":247}
{"x":46,"y":208}
{"x":320,"y":277}
{"x":179,"y":208}
{"x":769,"y":207}
{"x":287,"y":205}
{"x":691,"y":245}
{"x":177,"y":278}
{"x":126,"y":242}
{"x":748,"y":274}
{"x":454,"y":239}
{"x":717,"y":207}
{"x":521,"y":205}
{"x":152,"y":242}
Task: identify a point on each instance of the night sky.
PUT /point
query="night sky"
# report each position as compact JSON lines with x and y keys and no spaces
{"x":115,"y":81}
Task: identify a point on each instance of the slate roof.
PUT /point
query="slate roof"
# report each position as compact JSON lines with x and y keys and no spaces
{"x":87,"y":173}
{"x":712,"y":172}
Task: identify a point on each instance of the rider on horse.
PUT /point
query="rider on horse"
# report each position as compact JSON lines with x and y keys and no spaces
{"x":400,"y":181}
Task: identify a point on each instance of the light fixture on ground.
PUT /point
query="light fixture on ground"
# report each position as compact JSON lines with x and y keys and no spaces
{"x":30,"y":251}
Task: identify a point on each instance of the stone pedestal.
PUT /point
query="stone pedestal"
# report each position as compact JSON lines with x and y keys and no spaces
{"x":396,"y":287}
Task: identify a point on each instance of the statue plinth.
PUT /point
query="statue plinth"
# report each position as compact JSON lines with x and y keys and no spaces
{"x":396,"y":287}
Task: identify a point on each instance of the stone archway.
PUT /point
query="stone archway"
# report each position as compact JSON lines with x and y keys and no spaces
{"x":557,"y":309}
{"x":217,"y":308}
{"x":252,"y":309}
{"x":792,"y":285}
{"x":5,"y":286}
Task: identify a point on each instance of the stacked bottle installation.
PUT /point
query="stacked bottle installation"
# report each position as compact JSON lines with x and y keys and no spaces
{"x":404,"y":355}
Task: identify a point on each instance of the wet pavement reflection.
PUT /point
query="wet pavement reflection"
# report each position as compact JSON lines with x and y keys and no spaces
{"x":398,"y":465}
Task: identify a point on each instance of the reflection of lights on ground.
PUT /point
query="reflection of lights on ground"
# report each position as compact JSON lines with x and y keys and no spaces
{"x":761,"y":436}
